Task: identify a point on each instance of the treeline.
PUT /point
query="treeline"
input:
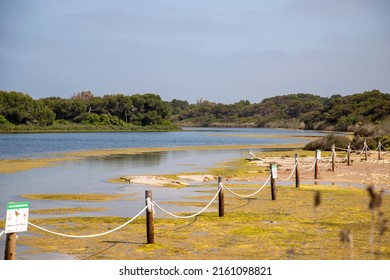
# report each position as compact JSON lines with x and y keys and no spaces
{"x":299,"y":111}
{"x":363,"y":112}
{"x":19,"y":111}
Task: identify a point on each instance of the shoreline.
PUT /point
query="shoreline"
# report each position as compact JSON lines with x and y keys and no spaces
{"x":22,"y":164}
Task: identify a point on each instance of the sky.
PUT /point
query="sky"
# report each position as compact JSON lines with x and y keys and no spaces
{"x":219,"y":50}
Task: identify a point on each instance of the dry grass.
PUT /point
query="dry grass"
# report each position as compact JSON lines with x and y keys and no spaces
{"x":76,"y":197}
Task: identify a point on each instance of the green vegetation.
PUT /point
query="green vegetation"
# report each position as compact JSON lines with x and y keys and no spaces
{"x":76,"y":197}
{"x":84,"y":111}
{"x":258,"y":228}
{"x":365,"y":113}
{"x":359,"y":112}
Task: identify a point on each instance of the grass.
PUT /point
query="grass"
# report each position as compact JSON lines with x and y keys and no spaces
{"x":60,"y":211}
{"x":76,"y":197}
{"x":256,"y":228}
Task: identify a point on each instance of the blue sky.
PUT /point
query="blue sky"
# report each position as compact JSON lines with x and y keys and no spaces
{"x":222,"y":51}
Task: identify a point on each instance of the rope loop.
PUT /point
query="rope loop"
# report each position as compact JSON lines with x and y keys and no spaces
{"x":292,"y":172}
{"x":190,"y":216}
{"x":250,"y":195}
{"x":91,"y":235}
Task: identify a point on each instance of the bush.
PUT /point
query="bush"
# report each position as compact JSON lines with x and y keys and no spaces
{"x":3,"y":120}
{"x":325,"y":143}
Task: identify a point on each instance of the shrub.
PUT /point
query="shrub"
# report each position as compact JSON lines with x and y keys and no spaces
{"x":325,"y":143}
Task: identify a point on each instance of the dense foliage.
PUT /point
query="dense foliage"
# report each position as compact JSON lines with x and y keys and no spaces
{"x":84,"y":111}
{"x":363,"y":113}
{"x":304,"y":111}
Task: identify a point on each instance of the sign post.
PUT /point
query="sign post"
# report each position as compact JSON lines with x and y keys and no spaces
{"x":16,"y":221}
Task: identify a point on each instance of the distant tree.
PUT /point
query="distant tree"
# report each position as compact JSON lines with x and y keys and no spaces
{"x":82,"y":95}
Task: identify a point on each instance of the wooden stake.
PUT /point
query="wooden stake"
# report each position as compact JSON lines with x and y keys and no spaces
{"x":333,"y":157}
{"x":149,"y":219}
{"x":221,"y":199}
{"x":297,"y":180}
{"x":316,"y":165}
{"x":273,"y":186}
{"x":379,"y":150}
{"x":10,"y":246}
{"x":349,"y":155}
{"x":365,"y":150}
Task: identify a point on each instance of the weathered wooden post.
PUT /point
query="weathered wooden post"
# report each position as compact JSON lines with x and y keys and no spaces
{"x":274,"y":175}
{"x":379,"y":150}
{"x":149,"y":218}
{"x":365,"y":150}
{"x":318,"y":157}
{"x":297,"y":180}
{"x":333,"y":157}
{"x":221,"y":198}
{"x":10,"y":246}
{"x":349,"y":155}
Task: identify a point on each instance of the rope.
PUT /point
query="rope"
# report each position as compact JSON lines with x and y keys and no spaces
{"x":191,"y":216}
{"x":246,"y":196}
{"x":2,"y":232}
{"x":330,"y":160}
{"x":292,"y":172}
{"x":311,"y":168}
{"x":149,"y":206}
{"x":92,"y":235}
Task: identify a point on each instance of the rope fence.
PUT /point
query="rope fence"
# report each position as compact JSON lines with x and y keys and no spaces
{"x":151,"y":205}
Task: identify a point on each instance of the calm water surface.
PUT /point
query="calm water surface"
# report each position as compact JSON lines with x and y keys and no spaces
{"x":90,"y":175}
{"x":38,"y":144}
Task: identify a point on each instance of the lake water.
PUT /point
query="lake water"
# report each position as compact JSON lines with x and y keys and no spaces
{"x":90,"y":175}
{"x":38,"y":144}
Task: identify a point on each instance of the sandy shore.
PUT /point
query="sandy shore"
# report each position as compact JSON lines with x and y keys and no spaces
{"x":360,"y":172}
{"x":155,"y":180}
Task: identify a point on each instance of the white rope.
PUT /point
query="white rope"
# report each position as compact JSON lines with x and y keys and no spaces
{"x":191,"y":216}
{"x":92,"y":235}
{"x":341,"y":160}
{"x":311,"y":168}
{"x":246,"y":196}
{"x":292,"y":172}
{"x":2,"y":232}
{"x":150,"y":206}
{"x":327,"y":164}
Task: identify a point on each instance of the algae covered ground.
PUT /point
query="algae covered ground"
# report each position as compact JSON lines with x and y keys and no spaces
{"x":315,"y":221}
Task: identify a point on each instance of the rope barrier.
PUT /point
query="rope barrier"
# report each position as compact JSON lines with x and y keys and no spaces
{"x":311,"y":168}
{"x":292,"y":172}
{"x":330,"y":160}
{"x":92,"y":235}
{"x":191,"y":216}
{"x":246,"y":196}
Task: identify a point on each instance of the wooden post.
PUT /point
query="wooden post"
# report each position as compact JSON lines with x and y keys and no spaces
{"x":379,"y":150}
{"x":365,"y":150}
{"x":333,"y":157}
{"x":273,"y":177}
{"x":149,"y":219}
{"x":297,"y":181}
{"x":10,"y":246}
{"x":316,"y":165}
{"x":221,"y":199}
{"x":349,"y":155}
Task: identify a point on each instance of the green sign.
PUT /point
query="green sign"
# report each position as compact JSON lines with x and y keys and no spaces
{"x":17,"y":205}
